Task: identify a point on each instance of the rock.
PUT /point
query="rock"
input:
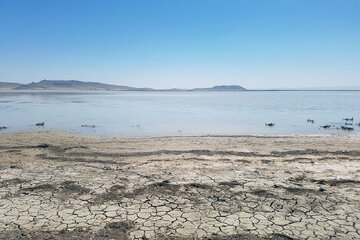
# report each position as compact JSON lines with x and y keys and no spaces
{"x":310,"y":121}
{"x":347,"y":128}
{"x":88,"y":126}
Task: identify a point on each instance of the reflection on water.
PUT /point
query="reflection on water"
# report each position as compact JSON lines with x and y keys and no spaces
{"x":180,"y":113}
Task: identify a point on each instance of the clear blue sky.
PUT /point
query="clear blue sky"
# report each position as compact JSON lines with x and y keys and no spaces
{"x":182,"y":43}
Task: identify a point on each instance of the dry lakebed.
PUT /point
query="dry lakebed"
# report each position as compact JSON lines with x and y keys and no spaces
{"x":57,"y":185}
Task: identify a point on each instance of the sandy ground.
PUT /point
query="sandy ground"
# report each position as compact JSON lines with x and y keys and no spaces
{"x":56,"y":185}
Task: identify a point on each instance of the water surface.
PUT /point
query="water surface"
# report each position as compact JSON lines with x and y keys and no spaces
{"x":179,"y":113}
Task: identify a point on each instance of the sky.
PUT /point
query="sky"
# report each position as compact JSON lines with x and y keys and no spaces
{"x":182,"y":43}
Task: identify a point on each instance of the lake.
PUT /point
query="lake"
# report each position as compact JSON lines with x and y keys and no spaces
{"x":180,"y":113}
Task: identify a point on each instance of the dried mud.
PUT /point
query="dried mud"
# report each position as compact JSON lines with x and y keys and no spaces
{"x":65,"y":186}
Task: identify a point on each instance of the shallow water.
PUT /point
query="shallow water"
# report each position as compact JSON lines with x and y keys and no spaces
{"x":179,"y":113}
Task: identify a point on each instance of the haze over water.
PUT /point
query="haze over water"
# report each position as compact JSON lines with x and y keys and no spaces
{"x":179,"y":113}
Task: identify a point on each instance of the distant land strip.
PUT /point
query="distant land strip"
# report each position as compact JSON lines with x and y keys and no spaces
{"x":80,"y":85}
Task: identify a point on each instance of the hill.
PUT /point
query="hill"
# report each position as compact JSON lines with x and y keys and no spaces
{"x":80,"y":85}
{"x":73,"y":85}
{"x":8,"y":85}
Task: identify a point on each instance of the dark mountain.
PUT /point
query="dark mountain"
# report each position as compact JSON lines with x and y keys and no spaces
{"x":8,"y":85}
{"x":73,"y":84}
{"x":79,"y":85}
{"x":221,"y":88}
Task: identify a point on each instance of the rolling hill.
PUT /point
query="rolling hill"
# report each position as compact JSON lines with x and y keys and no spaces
{"x":8,"y":85}
{"x":80,"y":85}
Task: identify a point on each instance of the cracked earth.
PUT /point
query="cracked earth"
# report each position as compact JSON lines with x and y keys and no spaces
{"x":56,"y":185}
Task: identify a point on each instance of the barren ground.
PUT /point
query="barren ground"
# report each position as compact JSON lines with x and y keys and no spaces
{"x":56,"y":185}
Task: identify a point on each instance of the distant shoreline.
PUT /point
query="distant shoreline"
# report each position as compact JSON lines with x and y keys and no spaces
{"x":185,"y":90}
{"x":98,"y":86}
{"x":80,"y":85}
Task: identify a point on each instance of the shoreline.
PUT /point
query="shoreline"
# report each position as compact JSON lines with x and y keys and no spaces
{"x":184,"y":90}
{"x":63,"y":185}
{"x":30,"y":131}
